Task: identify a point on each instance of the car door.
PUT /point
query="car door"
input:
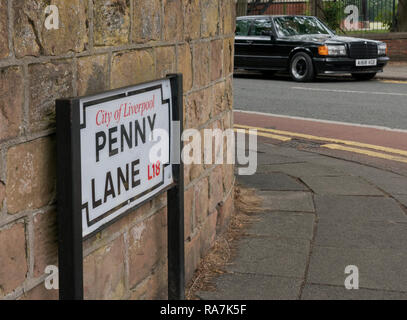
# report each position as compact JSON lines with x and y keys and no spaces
{"x":261,"y":44}
{"x":242,"y":42}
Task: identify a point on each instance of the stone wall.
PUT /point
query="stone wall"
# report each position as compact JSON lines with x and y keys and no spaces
{"x":105,"y":44}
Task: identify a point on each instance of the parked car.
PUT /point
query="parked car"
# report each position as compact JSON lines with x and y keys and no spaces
{"x":305,"y":47}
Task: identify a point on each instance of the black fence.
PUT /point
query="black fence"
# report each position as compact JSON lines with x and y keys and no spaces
{"x":356,"y":16}
{"x":344,"y":16}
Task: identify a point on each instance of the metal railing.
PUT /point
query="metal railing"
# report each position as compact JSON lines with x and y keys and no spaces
{"x":344,"y":16}
{"x":356,"y":16}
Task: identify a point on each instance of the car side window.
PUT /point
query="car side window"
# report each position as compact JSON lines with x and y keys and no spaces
{"x":242,"y":27}
{"x":261,"y":27}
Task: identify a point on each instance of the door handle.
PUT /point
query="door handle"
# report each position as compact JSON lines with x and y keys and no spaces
{"x":249,"y":42}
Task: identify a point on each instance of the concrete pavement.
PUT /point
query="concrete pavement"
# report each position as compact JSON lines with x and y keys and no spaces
{"x":395,"y":70}
{"x":319,"y":215}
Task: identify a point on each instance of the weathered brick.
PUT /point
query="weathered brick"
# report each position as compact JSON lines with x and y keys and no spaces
{"x":45,"y":241}
{"x":132,"y":67}
{"x":188,"y":212}
{"x":48,"y":82}
{"x":4,"y":49}
{"x":154,"y":287}
{"x":184,"y":63}
{"x":32,"y":38}
{"x":225,"y":211}
{"x":147,"y":21}
{"x":210,"y":18}
{"x":227,"y":17}
{"x":219,"y":96}
{"x":229,"y":93}
{"x":201,"y":201}
{"x":2,"y":194}
{"x":228,"y":177}
{"x":166,"y":61}
{"x":228,"y":59}
{"x":111,"y":22}
{"x":147,"y":246}
{"x":92,"y":74}
{"x":208,"y":233}
{"x":11,"y":102}
{"x":30,"y":175}
{"x":192,"y":19}
{"x":198,"y":108}
{"x":216,"y":59}
{"x":104,"y":272}
{"x":173,"y":20}
{"x":13,"y":262}
{"x":40,"y":293}
{"x":192,"y":256}
{"x":215,"y":188}
{"x":201,"y":64}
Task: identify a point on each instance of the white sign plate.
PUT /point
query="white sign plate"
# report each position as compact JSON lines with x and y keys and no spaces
{"x":116,"y":140}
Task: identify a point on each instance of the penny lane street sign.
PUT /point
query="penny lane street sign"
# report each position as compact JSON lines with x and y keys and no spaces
{"x":110,"y":162}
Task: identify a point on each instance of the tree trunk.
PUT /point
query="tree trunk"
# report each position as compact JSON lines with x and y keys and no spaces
{"x":241,"y":8}
{"x":402,"y":16}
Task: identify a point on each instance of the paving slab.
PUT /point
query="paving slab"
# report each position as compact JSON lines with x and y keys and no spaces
{"x":402,"y":199}
{"x":393,"y":186}
{"x":253,"y":287}
{"x":287,"y":201}
{"x":300,"y":170}
{"x":381,"y":269}
{"x":271,"y":256}
{"x":272,"y":181}
{"x":271,"y":158}
{"x":343,"y":185}
{"x":283,"y":224}
{"x":362,"y":234}
{"x":339,"y":208}
{"x":321,"y":292}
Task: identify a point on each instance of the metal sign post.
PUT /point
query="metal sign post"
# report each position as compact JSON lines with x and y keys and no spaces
{"x":105,"y":171}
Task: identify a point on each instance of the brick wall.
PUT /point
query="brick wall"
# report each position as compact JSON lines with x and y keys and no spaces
{"x":105,"y":44}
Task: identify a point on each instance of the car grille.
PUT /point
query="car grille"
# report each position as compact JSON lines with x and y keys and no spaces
{"x":363,"y":50}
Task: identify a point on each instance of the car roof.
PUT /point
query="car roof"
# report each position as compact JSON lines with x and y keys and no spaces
{"x":270,"y":16}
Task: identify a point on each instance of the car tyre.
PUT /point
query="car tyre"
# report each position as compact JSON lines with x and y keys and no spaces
{"x":302,"y":68}
{"x":364,"y":76}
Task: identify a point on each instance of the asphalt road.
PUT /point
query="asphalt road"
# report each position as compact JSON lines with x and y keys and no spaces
{"x":374,"y":103}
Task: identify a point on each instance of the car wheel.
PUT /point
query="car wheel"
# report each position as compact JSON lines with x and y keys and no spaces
{"x":363,"y":76}
{"x":301,"y":68}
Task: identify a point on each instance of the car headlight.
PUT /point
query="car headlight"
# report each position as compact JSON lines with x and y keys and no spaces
{"x":332,"y":50}
{"x":382,"y":49}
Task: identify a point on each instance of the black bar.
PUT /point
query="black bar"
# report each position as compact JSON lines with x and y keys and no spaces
{"x":175,"y":205}
{"x":69,"y":201}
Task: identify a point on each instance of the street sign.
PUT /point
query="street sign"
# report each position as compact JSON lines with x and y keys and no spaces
{"x":117,"y":145}
{"x":115,"y":152}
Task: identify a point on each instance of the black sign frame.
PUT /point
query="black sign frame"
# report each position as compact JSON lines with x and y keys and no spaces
{"x":69,"y":202}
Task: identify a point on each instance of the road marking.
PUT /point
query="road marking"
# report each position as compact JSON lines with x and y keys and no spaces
{"x":394,"y":81}
{"x":322,"y":121}
{"x":365,"y":152}
{"x":316,"y":138}
{"x":351,"y":91}
{"x":268,"y":135}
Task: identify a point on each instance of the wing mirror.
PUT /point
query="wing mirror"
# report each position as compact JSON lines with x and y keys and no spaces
{"x":270,"y":34}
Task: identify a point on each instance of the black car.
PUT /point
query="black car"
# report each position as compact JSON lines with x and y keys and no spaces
{"x":305,"y":47}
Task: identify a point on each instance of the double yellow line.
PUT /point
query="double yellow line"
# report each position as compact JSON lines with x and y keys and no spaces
{"x":334,"y":144}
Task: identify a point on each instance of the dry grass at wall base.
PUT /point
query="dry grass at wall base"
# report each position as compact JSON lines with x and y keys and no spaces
{"x":247,"y":204}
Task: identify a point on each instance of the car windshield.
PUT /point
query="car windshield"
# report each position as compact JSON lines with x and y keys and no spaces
{"x":294,"y":26}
